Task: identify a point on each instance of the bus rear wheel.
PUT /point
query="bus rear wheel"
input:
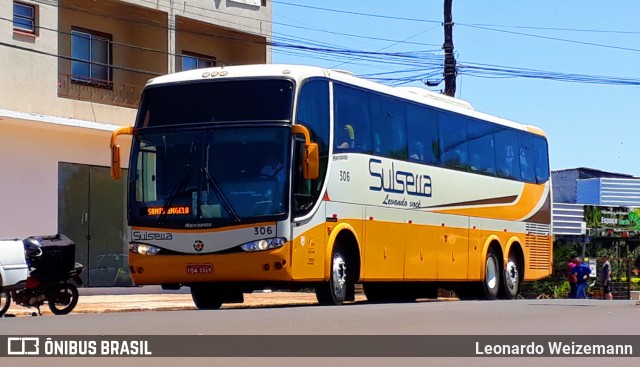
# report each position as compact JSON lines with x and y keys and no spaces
{"x":510,"y":279}
{"x":205,"y":297}
{"x":491,"y":283}
{"x":334,"y":292}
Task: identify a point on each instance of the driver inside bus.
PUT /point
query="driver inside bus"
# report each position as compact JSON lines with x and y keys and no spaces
{"x":273,"y":169}
{"x":345,"y":137}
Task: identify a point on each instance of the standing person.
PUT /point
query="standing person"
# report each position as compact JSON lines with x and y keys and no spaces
{"x":582,"y":272}
{"x":572,"y":277}
{"x":605,"y":277}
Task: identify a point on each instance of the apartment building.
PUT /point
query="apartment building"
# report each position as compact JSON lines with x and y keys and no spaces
{"x":72,"y":71}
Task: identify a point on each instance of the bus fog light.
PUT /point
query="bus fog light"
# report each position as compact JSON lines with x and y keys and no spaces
{"x":261,"y":245}
{"x":143,"y":249}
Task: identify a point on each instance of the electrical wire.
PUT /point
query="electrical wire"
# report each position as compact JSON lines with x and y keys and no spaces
{"x":553,"y":38}
{"x":402,"y":67}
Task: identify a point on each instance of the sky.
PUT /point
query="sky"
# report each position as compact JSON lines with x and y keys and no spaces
{"x":585,"y":54}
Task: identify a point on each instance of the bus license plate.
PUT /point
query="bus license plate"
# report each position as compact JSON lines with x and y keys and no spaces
{"x":199,"y":269}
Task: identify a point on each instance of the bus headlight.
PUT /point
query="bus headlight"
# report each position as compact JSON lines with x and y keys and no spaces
{"x":261,"y":245}
{"x":143,"y":249}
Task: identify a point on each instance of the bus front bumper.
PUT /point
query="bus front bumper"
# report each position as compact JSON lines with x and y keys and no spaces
{"x":259,"y":266}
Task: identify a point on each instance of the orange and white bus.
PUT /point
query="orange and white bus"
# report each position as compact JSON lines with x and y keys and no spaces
{"x":290,"y":177}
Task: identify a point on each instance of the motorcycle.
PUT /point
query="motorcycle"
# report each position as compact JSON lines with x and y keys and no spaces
{"x":51,"y":269}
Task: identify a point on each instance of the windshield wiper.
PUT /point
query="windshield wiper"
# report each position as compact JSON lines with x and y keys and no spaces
{"x":223,"y":200}
{"x":178,"y":188}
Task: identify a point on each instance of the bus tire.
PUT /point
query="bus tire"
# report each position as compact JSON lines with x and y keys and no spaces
{"x":205,"y":297}
{"x":491,"y":282}
{"x":510,"y":279}
{"x":334,"y":292}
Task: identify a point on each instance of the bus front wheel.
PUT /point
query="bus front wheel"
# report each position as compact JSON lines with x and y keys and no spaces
{"x":334,"y":292}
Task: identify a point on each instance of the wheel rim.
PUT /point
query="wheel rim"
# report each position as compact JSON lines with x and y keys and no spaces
{"x":5,"y":300}
{"x":492,"y":272}
{"x":339,"y":276}
{"x":64,"y":297}
{"x":64,"y":300}
{"x":511,"y":277}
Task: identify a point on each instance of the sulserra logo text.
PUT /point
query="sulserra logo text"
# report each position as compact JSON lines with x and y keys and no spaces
{"x":399,"y":182}
{"x":149,"y":236}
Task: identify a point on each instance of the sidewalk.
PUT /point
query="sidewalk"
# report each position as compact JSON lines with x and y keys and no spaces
{"x":109,"y":300}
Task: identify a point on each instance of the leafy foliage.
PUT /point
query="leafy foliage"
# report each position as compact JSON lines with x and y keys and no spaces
{"x":557,"y":286}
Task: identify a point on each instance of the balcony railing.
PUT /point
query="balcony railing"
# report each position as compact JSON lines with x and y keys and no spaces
{"x":111,"y":93}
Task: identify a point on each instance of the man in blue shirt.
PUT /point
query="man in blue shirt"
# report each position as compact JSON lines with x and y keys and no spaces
{"x":582,"y":272}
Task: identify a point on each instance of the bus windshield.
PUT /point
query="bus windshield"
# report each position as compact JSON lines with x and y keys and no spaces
{"x":203,"y":178}
{"x":213,"y":101}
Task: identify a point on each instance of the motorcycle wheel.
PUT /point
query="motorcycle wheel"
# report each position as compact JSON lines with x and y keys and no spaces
{"x":5,"y":302}
{"x":64,"y":299}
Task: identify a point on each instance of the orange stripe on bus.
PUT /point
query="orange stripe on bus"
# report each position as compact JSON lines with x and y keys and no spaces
{"x":529,"y":198}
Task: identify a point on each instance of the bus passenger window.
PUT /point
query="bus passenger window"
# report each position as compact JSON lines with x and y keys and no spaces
{"x":475,"y":162}
{"x":527,"y":169}
{"x":351,"y":111}
{"x":417,"y":154}
{"x":506,"y":147}
{"x":509,"y":158}
{"x":481,"y":147}
{"x":541,"y":159}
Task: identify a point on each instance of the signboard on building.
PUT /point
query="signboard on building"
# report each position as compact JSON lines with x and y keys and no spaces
{"x":604,"y":221}
{"x":248,"y":2}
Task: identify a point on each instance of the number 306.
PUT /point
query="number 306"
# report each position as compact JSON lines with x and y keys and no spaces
{"x":262,"y":230}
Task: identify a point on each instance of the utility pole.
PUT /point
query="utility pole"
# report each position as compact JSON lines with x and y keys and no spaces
{"x":449,"y":60}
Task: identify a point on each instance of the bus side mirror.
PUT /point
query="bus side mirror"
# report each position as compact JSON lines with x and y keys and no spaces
{"x":311,"y":156}
{"x":116,"y":169}
{"x":116,"y":166}
{"x":311,"y":161}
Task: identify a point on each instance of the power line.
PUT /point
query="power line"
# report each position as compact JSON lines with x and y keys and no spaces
{"x":496,"y":71}
{"x":552,"y":38}
{"x":227,"y":37}
{"x":549,"y":28}
{"x":117,"y":67}
{"x":358,"y":13}
{"x":279,"y":24}
{"x":362,"y":37}
{"x":387,"y":47}
{"x":396,"y":58}
{"x":415,"y":66}
{"x":466,"y":24}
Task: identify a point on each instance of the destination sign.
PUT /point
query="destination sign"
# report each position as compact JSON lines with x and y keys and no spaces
{"x":174,"y":210}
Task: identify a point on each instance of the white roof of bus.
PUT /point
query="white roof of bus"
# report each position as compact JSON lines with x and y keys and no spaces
{"x":300,"y":72}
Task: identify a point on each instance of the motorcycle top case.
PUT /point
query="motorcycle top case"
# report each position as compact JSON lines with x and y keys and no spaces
{"x":50,"y":254}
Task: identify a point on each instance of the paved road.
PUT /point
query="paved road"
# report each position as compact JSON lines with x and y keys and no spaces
{"x":581,"y":317}
{"x":524,"y":317}
{"x":110,"y":300}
